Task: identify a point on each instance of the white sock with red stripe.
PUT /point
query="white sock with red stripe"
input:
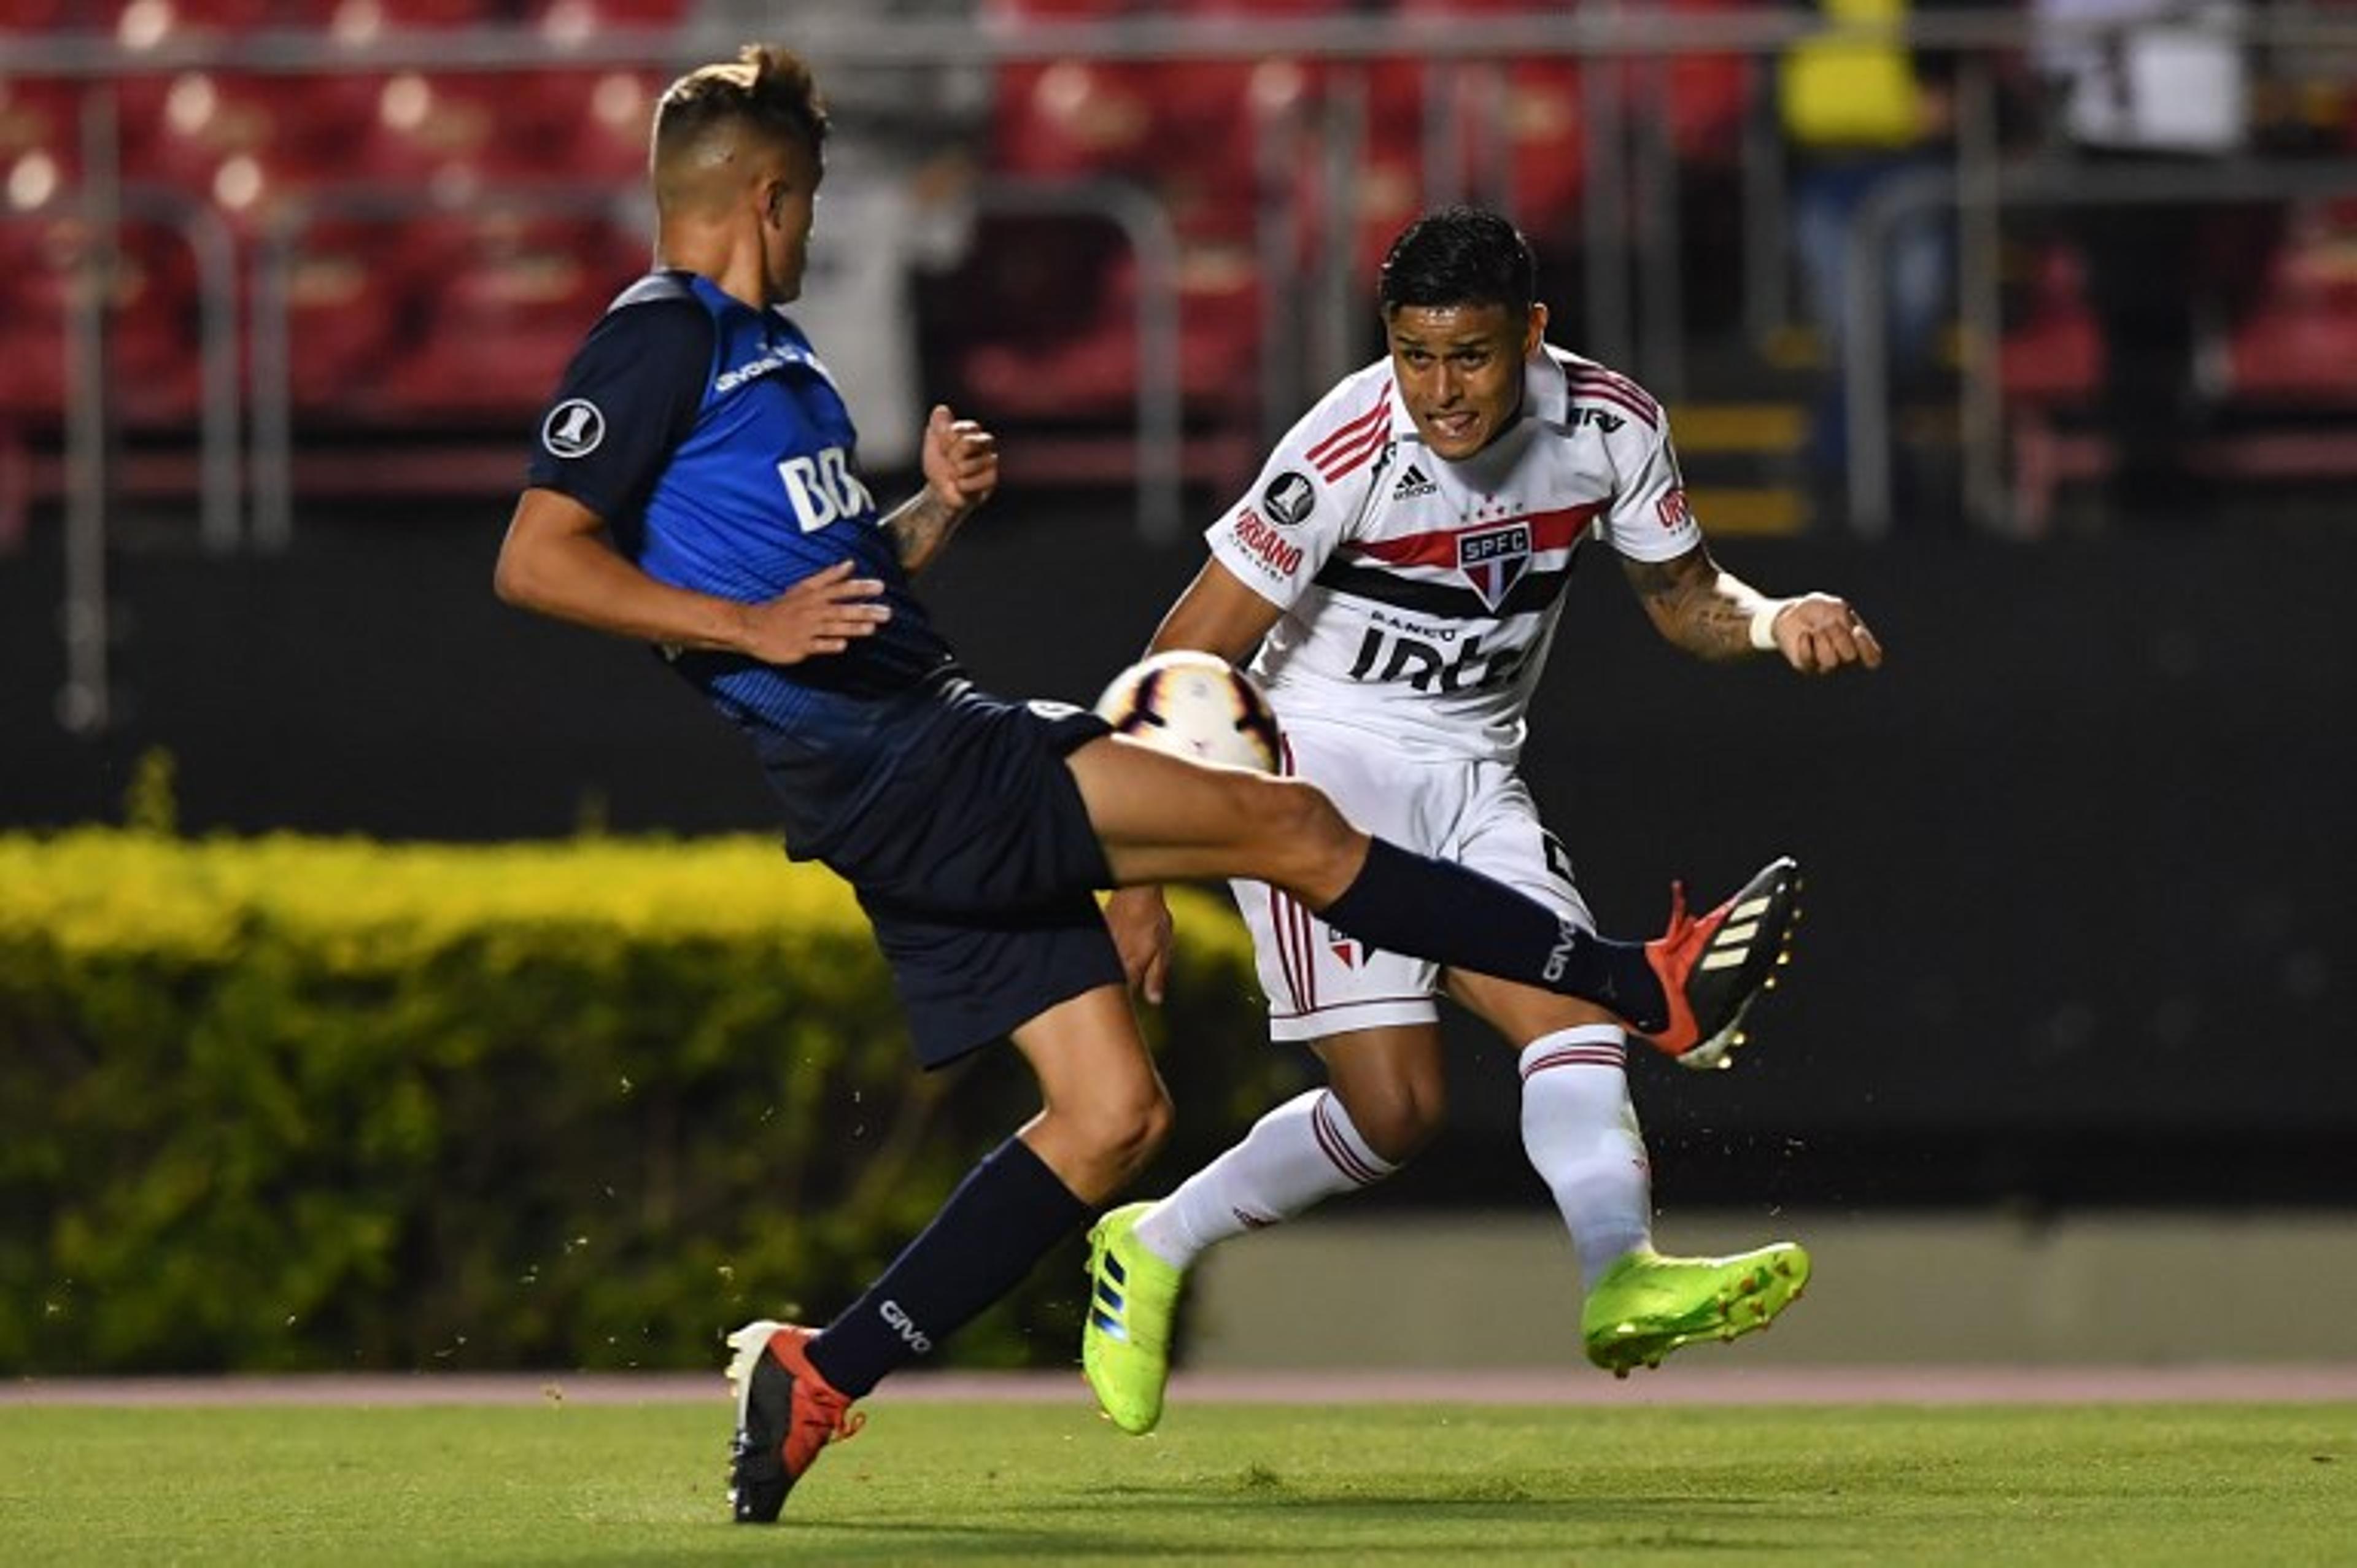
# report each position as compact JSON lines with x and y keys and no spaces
{"x":1581,"y":1135}
{"x":1301,"y":1153}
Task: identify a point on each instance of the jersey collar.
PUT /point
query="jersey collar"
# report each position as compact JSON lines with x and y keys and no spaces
{"x":1546,"y":390}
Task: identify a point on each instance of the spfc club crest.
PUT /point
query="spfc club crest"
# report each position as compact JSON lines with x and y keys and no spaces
{"x":1494,"y":559}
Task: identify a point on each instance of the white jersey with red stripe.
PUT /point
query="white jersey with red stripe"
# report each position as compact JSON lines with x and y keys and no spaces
{"x":1420,"y":596}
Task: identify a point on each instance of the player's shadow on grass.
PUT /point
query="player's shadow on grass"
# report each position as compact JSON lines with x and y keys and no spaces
{"x":1502,"y":1511}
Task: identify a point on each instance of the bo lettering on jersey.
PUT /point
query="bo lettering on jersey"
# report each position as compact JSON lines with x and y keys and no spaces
{"x":822,"y":489}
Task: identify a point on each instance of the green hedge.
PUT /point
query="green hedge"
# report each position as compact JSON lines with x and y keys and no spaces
{"x":284,"y":1103}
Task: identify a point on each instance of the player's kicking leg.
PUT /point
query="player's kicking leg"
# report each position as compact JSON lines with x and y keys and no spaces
{"x":1163,"y":820}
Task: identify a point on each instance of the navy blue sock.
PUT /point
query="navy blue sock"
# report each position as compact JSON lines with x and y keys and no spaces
{"x":1437,"y":909}
{"x":1007,"y":1214}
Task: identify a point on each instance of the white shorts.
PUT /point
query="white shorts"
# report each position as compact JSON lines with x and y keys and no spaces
{"x":1319,"y":982}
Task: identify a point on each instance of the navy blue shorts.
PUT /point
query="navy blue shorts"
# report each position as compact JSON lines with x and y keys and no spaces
{"x":977,"y":865}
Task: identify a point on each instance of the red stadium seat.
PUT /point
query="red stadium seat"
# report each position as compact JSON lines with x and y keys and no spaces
{"x":2298,"y":346}
{"x":352,"y":298}
{"x":37,"y":15}
{"x":428,"y":131}
{"x":2056,"y":354}
{"x":1089,"y":373}
{"x":178,"y":129}
{"x":496,"y":332}
{"x":1072,"y":118}
{"x":574,"y":126}
{"x":143,"y":25}
{"x":38,"y":116}
{"x":567,"y":24}
{"x":357,"y":22}
{"x":32,"y":324}
{"x":1709,"y":95}
{"x":153,"y":367}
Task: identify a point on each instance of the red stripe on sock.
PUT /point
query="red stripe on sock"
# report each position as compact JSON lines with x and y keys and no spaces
{"x":1337,"y":1148}
{"x":1577,"y":1055}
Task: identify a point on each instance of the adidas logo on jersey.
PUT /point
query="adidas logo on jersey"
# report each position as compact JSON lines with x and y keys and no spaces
{"x":1413,"y":485}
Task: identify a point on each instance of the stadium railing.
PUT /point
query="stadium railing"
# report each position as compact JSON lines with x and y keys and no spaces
{"x":1318,"y":166}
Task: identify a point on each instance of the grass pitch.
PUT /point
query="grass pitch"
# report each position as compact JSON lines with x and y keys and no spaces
{"x":953,"y":1483}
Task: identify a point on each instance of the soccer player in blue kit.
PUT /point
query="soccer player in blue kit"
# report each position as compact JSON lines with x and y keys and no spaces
{"x":695,"y":486}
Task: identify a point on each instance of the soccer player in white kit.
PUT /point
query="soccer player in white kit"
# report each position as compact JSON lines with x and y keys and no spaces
{"x":1399,"y":566}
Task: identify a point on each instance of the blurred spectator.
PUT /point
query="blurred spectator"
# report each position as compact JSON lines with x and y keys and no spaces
{"x":2150,"y":84}
{"x":898,"y":202}
{"x":1855,"y":115}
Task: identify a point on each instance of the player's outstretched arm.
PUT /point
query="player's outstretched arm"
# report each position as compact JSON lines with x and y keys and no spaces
{"x":1714,"y":614}
{"x":961,"y":465}
{"x":557,"y":560}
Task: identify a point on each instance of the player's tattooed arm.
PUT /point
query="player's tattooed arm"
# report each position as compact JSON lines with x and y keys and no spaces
{"x":921,"y":526}
{"x":961,"y":464}
{"x":1701,"y":608}
{"x":1714,"y":614}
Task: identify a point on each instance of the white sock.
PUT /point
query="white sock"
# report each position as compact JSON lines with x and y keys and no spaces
{"x":1304,"y":1151}
{"x":1581,"y":1135}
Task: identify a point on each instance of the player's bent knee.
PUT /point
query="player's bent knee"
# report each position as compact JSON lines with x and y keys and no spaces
{"x":1398,"y":1126}
{"x":1122,"y":1136}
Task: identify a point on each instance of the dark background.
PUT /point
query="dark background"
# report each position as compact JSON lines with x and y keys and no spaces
{"x":2079,"y":856}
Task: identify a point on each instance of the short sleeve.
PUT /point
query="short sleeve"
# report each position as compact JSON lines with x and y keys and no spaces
{"x":627,"y":400}
{"x":1650,"y":519}
{"x":1312,"y":488}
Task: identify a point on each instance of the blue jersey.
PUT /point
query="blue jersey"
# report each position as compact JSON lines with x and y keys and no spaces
{"x":712,"y":443}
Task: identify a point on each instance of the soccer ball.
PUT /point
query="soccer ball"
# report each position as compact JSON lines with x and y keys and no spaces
{"x":1195,"y":705}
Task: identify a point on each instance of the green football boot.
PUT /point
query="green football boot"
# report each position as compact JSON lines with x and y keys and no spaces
{"x":1125,"y":1343}
{"x":1646,"y":1305}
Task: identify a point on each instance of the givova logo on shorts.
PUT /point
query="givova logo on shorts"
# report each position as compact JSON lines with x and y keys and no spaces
{"x":823,"y":489}
{"x":1494,"y":559}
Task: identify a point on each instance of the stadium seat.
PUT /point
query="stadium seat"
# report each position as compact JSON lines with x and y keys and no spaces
{"x":2299,"y":347}
{"x":153,"y":368}
{"x":1710,"y":95}
{"x":32,"y":325}
{"x":351,"y":296}
{"x":428,"y":129}
{"x":1089,"y":371}
{"x":498,"y":329}
{"x":37,"y":16}
{"x":178,"y":129}
{"x":567,"y":24}
{"x":359,"y":22}
{"x":574,"y":126}
{"x":2056,"y":354}
{"x":143,"y":25}
{"x":38,"y":116}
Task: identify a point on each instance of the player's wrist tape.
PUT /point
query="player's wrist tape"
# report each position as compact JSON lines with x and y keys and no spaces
{"x":1763,"y":624}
